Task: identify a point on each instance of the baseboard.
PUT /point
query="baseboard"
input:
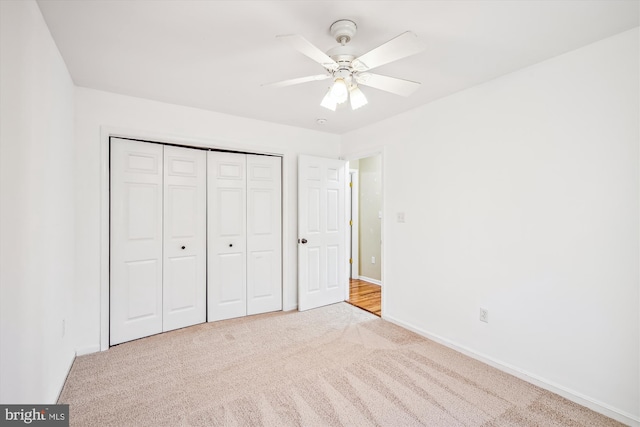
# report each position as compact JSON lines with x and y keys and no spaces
{"x":370,"y":280}
{"x":73,"y":359}
{"x":290,"y":307}
{"x":569,"y":394}
{"x":87,"y":350}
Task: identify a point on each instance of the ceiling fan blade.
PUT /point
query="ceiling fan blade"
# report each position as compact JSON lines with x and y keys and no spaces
{"x":305,"y":47}
{"x":406,"y":44}
{"x":299,"y":80}
{"x":388,"y":84}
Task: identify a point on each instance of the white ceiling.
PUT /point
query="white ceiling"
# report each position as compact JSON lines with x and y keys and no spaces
{"x":216,"y":54}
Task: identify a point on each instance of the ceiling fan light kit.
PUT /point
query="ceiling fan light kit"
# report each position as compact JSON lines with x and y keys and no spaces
{"x":339,"y":91}
{"x":357,"y":98}
{"x":329,"y":102}
{"x":348,"y":72}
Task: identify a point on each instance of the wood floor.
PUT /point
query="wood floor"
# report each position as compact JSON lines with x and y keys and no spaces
{"x":365,"y":295}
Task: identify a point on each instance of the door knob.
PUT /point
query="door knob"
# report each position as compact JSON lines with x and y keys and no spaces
{"x":230,"y":245}
{"x":303,"y":241}
{"x":184,"y":247}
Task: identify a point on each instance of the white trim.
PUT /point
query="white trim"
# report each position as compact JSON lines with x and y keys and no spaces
{"x":105,"y":133}
{"x":544,"y":383}
{"x":361,"y":155}
{"x":370,"y":280}
{"x":347,"y":234}
{"x":284,"y":227}
{"x":166,"y":138}
{"x":365,"y":153}
{"x":383,"y":222}
{"x":355,"y":228}
{"x":87,"y":350}
{"x":73,"y":359}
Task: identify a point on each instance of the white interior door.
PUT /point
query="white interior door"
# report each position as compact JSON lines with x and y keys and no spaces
{"x":136,"y":240}
{"x":185,"y":244}
{"x":264,"y":234}
{"x":322,"y":223}
{"x":226,"y":187}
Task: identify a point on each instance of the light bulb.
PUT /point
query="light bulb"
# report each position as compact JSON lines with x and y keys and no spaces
{"x":357,"y":98}
{"x":339,"y":91}
{"x":328,"y":101}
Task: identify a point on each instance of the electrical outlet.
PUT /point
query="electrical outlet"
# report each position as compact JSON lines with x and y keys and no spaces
{"x":400,"y":217}
{"x":373,"y":260}
{"x":484,"y":315}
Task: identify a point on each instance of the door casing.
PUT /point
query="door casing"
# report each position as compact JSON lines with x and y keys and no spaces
{"x":362,"y":155}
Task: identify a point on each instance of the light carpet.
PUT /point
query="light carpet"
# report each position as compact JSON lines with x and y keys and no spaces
{"x":332,"y":366}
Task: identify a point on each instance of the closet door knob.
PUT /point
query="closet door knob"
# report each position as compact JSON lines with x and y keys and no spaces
{"x":184,"y":247}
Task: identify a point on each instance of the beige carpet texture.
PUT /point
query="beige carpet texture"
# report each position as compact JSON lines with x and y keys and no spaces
{"x":332,"y":366}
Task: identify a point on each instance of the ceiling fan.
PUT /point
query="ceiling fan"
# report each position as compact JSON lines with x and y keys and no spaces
{"x":348,"y":71}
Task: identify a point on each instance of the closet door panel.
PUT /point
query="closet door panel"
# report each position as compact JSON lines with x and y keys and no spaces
{"x":185,"y":245}
{"x":135,"y":240}
{"x":227,"y":294}
{"x":264,"y":234}
{"x":230,"y":269}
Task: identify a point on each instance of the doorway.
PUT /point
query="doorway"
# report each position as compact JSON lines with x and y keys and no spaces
{"x":365,"y":279}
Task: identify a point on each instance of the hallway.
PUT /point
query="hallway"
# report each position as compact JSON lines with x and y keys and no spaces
{"x":365,"y":295}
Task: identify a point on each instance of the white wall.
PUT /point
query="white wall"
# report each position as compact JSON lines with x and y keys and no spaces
{"x":528,"y":205}
{"x":37,"y":254}
{"x":521,"y":196}
{"x":97,"y":110}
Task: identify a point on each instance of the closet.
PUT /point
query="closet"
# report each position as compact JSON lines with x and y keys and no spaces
{"x":195,"y":236}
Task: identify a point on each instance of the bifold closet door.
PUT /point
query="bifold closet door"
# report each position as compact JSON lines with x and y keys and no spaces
{"x":157,"y":239}
{"x":245,"y":234}
{"x":136,"y":240}
{"x":227,"y":224}
{"x":185,"y":238}
{"x":264,"y":234}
